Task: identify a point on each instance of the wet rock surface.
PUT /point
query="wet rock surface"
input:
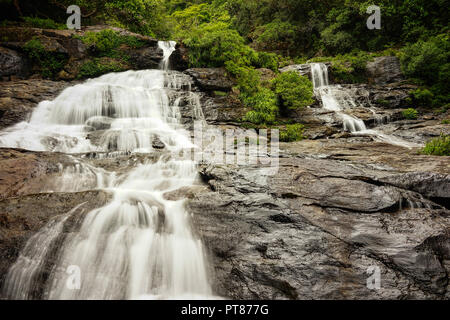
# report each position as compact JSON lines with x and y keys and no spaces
{"x":338,"y":203}
{"x":18,"y":98}
{"x":12,"y":63}
{"x":68,"y":45}
{"x":384,"y":70}
{"x":211,"y":79}
{"x":22,"y":217}
{"x":313,"y":229}
{"x":25,"y":172}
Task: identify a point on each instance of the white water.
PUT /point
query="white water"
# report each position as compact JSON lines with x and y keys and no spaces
{"x":139,"y":245}
{"x":337,"y":99}
{"x":168,"y":48}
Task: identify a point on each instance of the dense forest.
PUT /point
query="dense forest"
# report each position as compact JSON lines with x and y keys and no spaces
{"x":244,"y":35}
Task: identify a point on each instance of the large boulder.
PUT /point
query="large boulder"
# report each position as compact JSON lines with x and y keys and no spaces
{"x":211,"y":79}
{"x":18,"y":98}
{"x":12,"y":63}
{"x":313,"y":230}
{"x":303,"y":69}
{"x":384,"y":70}
{"x":22,"y":218}
{"x":72,"y":53}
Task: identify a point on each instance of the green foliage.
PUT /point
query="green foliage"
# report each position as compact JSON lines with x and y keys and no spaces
{"x":36,"y":22}
{"x":264,"y":105}
{"x":293,"y":132}
{"x":142,"y":16}
{"x":438,"y":146}
{"x":107,"y":41}
{"x":49,"y":63}
{"x":348,"y":68}
{"x":275,"y":36}
{"x":214,"y":44}
{"x":293,"y":90}
{"x":427,"y":60}
{"x":445,"y":121}
{"x":422,"y":97}
{"x":97,"y":67}
{"x":410,"y":113}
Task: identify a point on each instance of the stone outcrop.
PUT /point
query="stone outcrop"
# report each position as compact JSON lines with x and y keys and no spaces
{"x":12,"y":63}
{"x":312,"y":230}
{"x":211,"y":79}
{"x":25,"y":172}
{"x":21,"y":218}
{"x":74,"y":53}
{"x":18,"y":98}
{"x":338,"y":203}
{"x":384,"y":70}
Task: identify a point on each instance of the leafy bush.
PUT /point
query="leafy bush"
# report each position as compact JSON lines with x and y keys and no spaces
{"x":348,"y":68}
{"x":50,"y":63}
{"x":276,"y":35}
{"x":422,"y":97}
{"x":141,"y":16}
{"x":36,"y":22}
{"x":214,"y":44}
{"x":427,"y":60}
{"x":410,"y":113}
{"x":293,"y":132}
{"x":293,"y":90}
{"x":97,"y":67}
{"x":248,"y":80}
{"x":264,"y":105}
{"x":107,"y":41}
{"x":438,"y":146}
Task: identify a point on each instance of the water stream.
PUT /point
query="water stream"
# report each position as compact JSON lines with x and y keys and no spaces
{"x":339,"y":100}
{"x":139,"y":245}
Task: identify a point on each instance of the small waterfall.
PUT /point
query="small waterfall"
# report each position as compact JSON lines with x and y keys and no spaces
{"x":319,"y":75}
{"x":334,"y":98}
{"x":139,"y":245}
{"x":168,"y":48}
{"x":337,"y":99}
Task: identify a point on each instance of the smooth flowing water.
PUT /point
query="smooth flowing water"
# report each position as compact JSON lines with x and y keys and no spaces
{"x":139,"y":245}
{"x":337,"y":99}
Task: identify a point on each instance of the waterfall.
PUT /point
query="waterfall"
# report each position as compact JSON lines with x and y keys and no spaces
{"x":334,"y":98}
{"x":337,"y":99}
{"x":168,"y":48}
{"x":139,"y":245}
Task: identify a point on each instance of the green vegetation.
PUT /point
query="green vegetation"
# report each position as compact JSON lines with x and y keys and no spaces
{"x":410,"y":114}
{"x":293,"y":91}
{"x":50,"y":63}
{"x":428,"y":63}
{"x":350,"y":67}
{"x":293,"y":132}
{"x":97,"y":67}
{"x":244,"y":35}
{"x":438,"y":146}
{"x":47,"y":23}
{"x":107,"y":42}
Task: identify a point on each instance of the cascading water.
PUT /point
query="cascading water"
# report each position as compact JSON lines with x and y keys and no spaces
{"x":139,"y":245}
{"x":168,"y":48}
{"x":335,"y":98}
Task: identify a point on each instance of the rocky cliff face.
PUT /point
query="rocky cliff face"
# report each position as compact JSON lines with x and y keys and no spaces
{"x":339,"y":203}
{"x":73,"y":53}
